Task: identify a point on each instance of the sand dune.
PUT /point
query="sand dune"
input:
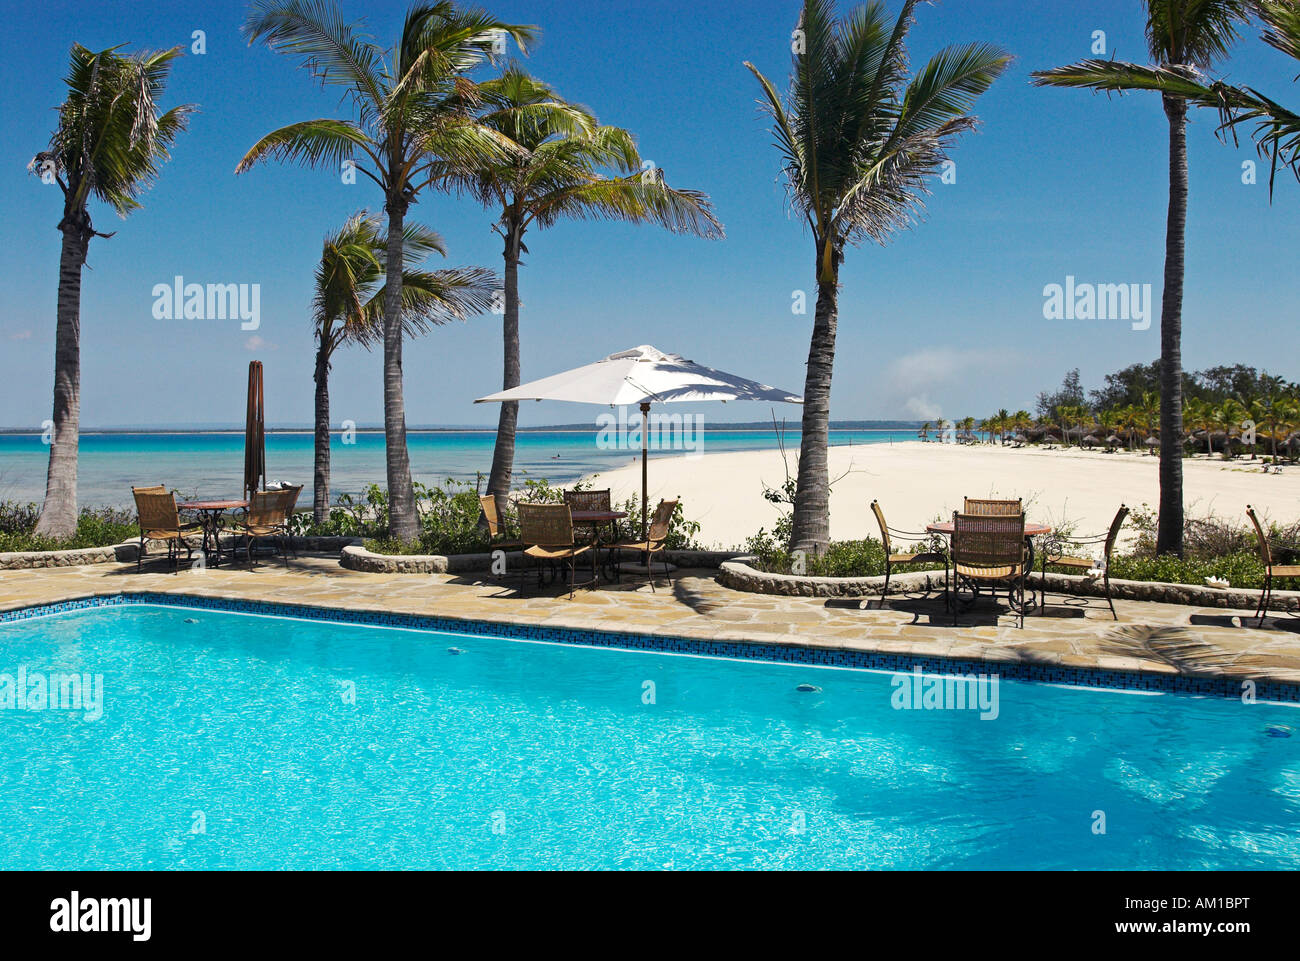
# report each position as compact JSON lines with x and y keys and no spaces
{"x":917,"y":483}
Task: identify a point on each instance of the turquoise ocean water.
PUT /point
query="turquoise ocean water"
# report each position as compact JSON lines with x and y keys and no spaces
{"x":235,"y":741}
{"x":212,"y":464}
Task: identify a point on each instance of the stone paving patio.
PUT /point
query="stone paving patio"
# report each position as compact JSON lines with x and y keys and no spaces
{"x":1074,"y":632}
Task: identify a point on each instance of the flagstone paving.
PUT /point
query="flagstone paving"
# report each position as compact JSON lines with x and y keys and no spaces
{"x":1150,"y":637}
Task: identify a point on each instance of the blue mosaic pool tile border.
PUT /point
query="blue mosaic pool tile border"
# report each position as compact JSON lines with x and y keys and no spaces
{"x":743,"y":650}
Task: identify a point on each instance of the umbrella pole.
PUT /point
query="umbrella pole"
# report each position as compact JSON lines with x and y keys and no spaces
{"x":645,"y":486}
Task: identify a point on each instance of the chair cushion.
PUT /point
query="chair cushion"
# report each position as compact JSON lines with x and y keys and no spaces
{"x":988,"y":573}
{"x":256,"y":530}
{"x":556,"y":553}
{"x":1082,"y":562}
{"x":650,"y":547}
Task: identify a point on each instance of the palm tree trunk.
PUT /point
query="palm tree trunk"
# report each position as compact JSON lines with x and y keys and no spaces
{"x":321,"y":480}
{"x":59,"y":514}
{"x":503,"y":454}
{"x":403,"y":522}
{"x":1169,"y":535}
{"x":811,"y":524}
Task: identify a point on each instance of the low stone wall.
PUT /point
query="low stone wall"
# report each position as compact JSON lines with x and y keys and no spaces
{"x":1195,"y":595}
{"x":28,"y":560}
{"x":738,"y":575}
{"x":127,"y":552}
{"x":357,"y":558}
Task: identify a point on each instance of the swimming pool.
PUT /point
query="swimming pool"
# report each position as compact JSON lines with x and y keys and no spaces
{"x":242,"y":741}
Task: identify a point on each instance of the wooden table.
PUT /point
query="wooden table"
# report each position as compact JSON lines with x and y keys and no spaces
{"x":210,"y":520}
{"x":1031,"y":530}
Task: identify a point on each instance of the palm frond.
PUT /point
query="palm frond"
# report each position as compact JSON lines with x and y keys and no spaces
{"x":1196,"y":33}
{"x":857,"y":139}
{"x":310,"y":142}
{"x":1117,"y":76}
{"x":111,"y":140}
{"x":332,"y":49}
{"x":348,"y":301}
{"x":632,"y":200}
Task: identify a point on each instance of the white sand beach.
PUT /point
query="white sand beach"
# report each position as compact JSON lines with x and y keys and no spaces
{"x":917,"y":483}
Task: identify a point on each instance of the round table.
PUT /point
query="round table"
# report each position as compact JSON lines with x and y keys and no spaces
{"x":595,"y":520}
{"x":1031,"y":531}
{"x":210,"y":520}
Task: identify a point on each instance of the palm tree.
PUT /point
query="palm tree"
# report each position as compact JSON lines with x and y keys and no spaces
{"x":966,"y":425}
{"x":1021,"y":421}
{"x":414,"y":107}
{"x":858,"y":140}
{"x":1184,"y":38}
{"x":1110,"y":422}
{"x":348,"y":307}
{"x":110,"y":143}
{"x":1130,"y":416}
{"x":554,"y":172}
{"x":1228,"y":415}
{"x":1270,"y":407}
{"x":1201,"y":415}
{"x":1003,"y":422}
{"x":925,"y":431}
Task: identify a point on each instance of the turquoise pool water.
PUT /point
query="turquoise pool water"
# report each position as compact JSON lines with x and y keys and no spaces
{"x":235,"y":741}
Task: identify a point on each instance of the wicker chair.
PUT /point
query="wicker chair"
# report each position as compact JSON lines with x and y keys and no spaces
{"x":497,"y":538}
{"x":160,"y":520}
{"x":547,"y":530}
{"x":891,"y":559}
{"x":1271,"y":570}
{"x":589,"y":501}
{"x":990,"y":549}
{"x":655,"y":542}
{"x":1055,"y":553}
{"x":992,"y":508}
{"x":267,"y":518}
{"x":291,"y":504}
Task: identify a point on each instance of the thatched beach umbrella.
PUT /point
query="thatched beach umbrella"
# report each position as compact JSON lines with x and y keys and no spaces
{"x":1092,"y":440}
{"x":1152,"y":443}
{"x":1114,"y":440}
{"x":255,"y":433}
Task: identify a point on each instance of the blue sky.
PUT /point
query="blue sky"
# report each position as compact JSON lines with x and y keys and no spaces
{"x":948,"y":319}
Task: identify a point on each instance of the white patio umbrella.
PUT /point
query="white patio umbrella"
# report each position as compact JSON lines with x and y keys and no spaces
{"x":643,"y":375}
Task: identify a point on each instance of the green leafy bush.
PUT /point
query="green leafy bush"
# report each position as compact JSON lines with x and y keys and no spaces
{"x":96,"y":527}
{"x":449,"y":518}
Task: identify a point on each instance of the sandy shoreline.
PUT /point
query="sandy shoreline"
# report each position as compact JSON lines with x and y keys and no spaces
{"x":917,"y":483}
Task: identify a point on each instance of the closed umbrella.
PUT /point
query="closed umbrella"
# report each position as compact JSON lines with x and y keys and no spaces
{"x":642,"y":376}
{"x":255,"y":433}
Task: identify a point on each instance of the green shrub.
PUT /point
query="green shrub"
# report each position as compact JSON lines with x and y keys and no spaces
{"x":96,"y":527}
{"x":449,"y":518}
